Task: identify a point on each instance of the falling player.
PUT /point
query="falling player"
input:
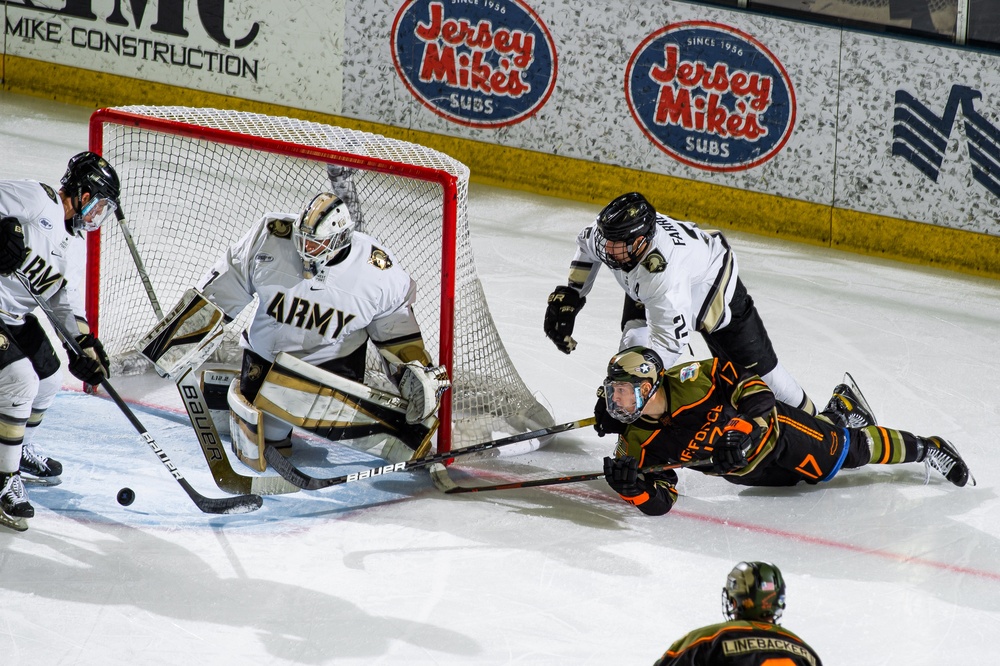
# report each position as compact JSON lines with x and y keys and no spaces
{"x":725,"y":421}
{"x":753,"y":601}
{"x":325,"y":290}
{"x":677,"y":279}
{"x":51,"y":255}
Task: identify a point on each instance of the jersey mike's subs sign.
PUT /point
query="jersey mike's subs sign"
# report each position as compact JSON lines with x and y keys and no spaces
{"x":710,"y":96}
{"x":480,"y":63}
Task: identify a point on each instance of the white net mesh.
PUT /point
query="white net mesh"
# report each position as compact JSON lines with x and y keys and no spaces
{"x":187,"y":199}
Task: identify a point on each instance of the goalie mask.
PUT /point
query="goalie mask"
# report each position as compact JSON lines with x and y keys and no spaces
{"x":624,"y":229}
{"x":323,"y":229}
{"x":89,"y":173}
{"x":754,"y":591}
{"x":633,"y":376}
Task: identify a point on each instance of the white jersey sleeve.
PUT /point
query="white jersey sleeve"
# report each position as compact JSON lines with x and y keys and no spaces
{"x":229,"y":283}
{"x":55,"y":262}
{"x":585,"y":266}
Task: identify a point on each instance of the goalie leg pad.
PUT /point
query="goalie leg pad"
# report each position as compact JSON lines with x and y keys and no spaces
{"x":246,"y":429}
{"x":422,"y":388}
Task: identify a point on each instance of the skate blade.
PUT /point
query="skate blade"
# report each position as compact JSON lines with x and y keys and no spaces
{"x":40,"y":480}
{"x":16,"y":524}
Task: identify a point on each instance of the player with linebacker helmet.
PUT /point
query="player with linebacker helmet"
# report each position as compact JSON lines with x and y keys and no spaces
{"x":325,"y":289}
{"x":677,"y":279}
{"x":723,"y":420}
{"x":41,"y":236}
{"x":752,"y":601}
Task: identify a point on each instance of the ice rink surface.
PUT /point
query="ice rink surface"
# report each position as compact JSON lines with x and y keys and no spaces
{"x":880,"y":568}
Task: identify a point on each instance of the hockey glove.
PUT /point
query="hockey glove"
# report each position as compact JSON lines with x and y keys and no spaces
{"x":604,"y":423}
{"x":95,"y":350}
{"x":733,"y":447}
{"x":422,"y":387}
{"x":12,"y":250}
{"x":622,"y":474}
{"x":85,"y":367}
{"x":560,"y":315}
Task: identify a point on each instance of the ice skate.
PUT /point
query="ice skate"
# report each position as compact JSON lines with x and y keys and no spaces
{"x":15,"y":509}
{"x":39,"y":468}
{"x":940,"y":455}
{"x":847,"y":407}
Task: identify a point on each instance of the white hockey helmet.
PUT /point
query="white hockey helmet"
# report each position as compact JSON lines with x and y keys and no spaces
{"x":324,"y":228}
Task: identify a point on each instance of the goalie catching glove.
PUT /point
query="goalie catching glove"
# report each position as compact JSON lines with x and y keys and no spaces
{"x":422,"y":388}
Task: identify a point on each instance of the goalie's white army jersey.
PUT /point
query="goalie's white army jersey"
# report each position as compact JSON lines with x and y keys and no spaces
{"x":55,"y":263}
{"x":685,"y":282}
{"x":367,"y":294}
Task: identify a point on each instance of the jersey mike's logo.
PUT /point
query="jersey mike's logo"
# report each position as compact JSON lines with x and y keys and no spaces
{"x":710,"y":96}
{"x":488,"y":63}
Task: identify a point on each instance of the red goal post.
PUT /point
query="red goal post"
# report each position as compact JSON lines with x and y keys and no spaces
{"x":194,"y":180}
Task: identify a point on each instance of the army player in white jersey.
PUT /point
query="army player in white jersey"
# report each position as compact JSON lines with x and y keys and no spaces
{"x":42,"y":236}
{"x":324,"y":289}
{"x":677,"y":279}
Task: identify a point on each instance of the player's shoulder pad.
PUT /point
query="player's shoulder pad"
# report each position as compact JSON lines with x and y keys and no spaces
{"x":280,"y":227}
{"x":654,"y":262}
{"x":50,"y":192}
{"x":380,"y":259}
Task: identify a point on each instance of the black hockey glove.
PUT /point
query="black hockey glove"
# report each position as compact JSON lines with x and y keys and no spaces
{"x":622,"y":474}
{"x":12,"y":250}
{"x":96,"y":350}
{"x":733,"y":447}
{"x":604,"y":423}
{"x":85,"y":367}
{"x":560,"y":315}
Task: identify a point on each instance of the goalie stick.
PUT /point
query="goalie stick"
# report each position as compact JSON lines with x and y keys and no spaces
{"x":238,"y":504}
{"x":443,"y":481}
{"x":299,"y":478}
{"x":140,"y":266}
{"x":227,"y":478}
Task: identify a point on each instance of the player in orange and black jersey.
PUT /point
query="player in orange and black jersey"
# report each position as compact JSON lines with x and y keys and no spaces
{"x":752,"y":600}
{"x":723,"y":420}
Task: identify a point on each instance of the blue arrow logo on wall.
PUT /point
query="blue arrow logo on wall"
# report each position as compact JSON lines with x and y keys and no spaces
{"x":921,"y":137}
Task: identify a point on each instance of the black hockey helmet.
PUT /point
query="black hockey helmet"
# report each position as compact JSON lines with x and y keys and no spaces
{"x":629,"y":221}
{"x":754,"y":591}
{"x":90,"y":173}
{"x":634,"y":374}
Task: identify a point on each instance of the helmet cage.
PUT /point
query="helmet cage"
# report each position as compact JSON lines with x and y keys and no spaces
{"x":634,"y":375}
{"x":625,"y":254}
{"x":323,"y":229}
{"x":754,"y":591}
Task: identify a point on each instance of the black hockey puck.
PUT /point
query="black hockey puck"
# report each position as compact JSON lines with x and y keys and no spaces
{"x":126,"y":496}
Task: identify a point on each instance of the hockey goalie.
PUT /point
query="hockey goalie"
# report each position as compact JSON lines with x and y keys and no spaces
{"x":324,"y":290}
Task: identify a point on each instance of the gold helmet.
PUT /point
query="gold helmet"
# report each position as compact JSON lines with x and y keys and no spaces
{"x":634,"y":374}
{"x":323,"y":229}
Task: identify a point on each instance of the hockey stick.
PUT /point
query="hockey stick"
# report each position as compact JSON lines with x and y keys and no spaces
{"x":299,"y":478}
{"x":444,"y":482}
{"x":140,"y":266}
{"x":227,"y":478}
{"x":239,"y":504}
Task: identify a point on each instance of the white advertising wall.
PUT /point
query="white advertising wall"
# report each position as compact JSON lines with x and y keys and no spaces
{"x":816,"y":114}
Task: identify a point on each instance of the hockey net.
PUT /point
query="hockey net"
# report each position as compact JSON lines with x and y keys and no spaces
{"x":194,"y":180}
